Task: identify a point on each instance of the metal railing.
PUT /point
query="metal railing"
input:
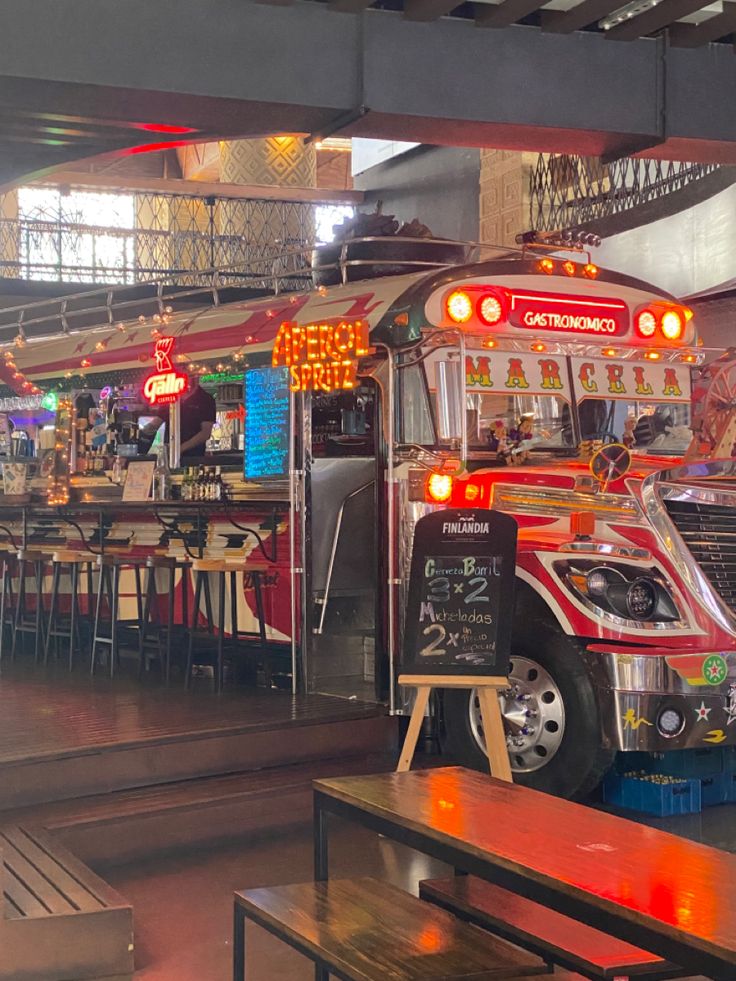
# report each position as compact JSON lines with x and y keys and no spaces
{"x":273,"y":274}
{"x":148,"y":235}
{"x":567,"y":192}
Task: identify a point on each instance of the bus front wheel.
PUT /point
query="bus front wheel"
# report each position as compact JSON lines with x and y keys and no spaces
{"x":550,"y":717}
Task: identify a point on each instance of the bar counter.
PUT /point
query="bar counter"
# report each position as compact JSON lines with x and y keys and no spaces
{"x":250,"y":532}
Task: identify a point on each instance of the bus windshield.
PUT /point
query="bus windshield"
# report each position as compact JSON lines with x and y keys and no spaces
{"x":657,"y":428}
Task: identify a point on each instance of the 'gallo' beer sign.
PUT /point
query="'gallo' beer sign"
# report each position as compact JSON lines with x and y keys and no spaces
{"x":321,"y":357}
{"x":166,"y":384}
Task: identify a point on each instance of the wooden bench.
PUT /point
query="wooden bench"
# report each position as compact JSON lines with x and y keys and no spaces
{"x":59,"y":920}
{"x":366,"y":930}
{"x":555,"y":938}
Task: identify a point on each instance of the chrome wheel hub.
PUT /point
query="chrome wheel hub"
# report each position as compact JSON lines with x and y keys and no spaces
{"x":533,"y":714}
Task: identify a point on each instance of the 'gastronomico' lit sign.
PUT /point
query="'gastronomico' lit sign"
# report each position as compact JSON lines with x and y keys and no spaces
{"x":166,"y":384}
{"x":568,"y":314}
{"x":321,"y":357}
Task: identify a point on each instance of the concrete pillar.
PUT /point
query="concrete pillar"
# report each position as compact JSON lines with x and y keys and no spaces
{"x":504,"y":195}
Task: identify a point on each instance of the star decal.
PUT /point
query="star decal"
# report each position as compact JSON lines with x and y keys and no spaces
{"x":702,"y":713}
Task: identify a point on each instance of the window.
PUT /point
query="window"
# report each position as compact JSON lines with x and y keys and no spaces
{"x":78,"y":236}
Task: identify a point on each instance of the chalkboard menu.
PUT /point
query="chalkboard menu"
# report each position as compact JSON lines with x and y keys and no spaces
{"x":266,"y":440}
{"x":461,"y":594}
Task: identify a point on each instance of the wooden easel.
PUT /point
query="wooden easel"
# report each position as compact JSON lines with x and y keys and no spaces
{"x":490,"y":711}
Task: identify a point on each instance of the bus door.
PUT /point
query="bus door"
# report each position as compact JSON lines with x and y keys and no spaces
{"x":340,"y":628}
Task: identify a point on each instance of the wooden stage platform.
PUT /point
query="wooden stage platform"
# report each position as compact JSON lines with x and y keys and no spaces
{"x":100,"y":771}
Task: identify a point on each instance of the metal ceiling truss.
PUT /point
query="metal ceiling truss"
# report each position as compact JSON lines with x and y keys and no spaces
{"x":619,"y":20}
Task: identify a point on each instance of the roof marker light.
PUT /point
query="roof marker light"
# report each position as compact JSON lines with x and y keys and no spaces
{"x":689,"y":358}
{"x":490,"y":310}
{"x":546,"y":266}
{"x":591,"y":270}
{"x":652,"y":355}
{"x":569,"y":267}
{"x":439,"y":487}
{"x":609,"y":352}
{"x":646,"y":323}
{"x":489,"y":342}
{"x":671,"y":325}
{"x":459,"y":307}
{"x":538,"y":347}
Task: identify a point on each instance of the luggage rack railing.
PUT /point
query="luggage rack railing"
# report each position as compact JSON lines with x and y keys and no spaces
{"x":290,"y":270}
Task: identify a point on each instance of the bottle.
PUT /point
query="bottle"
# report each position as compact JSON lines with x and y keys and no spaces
{"x":117,"y":470}
{"x":201,"y":481}
{"x":161,"y":475}
{"x":185,"y":486}
{"x":219,"y":485}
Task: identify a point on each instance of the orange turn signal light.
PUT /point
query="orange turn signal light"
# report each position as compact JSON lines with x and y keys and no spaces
{"x":439,"y":487}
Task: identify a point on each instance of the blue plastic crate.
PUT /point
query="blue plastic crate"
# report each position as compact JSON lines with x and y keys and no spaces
{"x":730,"y":786}
{"x":716,"y":789}
{"x":641,"y":793}
{"x":687,"y":763}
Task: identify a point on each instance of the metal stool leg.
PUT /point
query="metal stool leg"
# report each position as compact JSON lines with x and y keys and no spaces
{"x":195,"y":615}
{"x":103,"y":581}
{"x":20,"y":607}
{"x":220,"y":630}
{"x":169,"y":623}
{"x":150,"y":588}
{"x":38,"y":576}
{"x":53,"y":603}
{"x":5,"y":594}
{"x":75,"y":635}
{"x":114,"y":623}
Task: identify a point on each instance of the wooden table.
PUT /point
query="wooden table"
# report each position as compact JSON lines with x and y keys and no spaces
{"x":660,"y":892}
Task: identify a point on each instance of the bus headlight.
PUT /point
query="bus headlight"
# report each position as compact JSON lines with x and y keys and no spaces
{"x":626,"y":592}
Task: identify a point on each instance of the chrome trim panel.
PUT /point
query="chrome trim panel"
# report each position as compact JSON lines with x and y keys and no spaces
{"x":684,"y":483}
{"x":615,"y":551}
{"x":554,"y":502}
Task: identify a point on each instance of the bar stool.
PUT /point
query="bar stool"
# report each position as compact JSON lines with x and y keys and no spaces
{"x":202,"y":569}
{"x":8,"y":569}
{"x":111,"y":567}
{"x":255,"y":571}
{"x":31,"y":564}
{"x":164,"y":627}
{"x":60,"y":626}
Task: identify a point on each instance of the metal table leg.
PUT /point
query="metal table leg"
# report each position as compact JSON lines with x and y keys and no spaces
{"x":238,"y":943}
{"x":321,"y":870}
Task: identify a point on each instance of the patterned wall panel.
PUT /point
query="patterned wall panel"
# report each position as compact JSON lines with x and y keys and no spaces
{"x":504,"y":196}
{"x":283,"y":160}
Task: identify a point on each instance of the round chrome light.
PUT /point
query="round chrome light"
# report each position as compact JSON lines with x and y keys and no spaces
{"x":670,"y":722}
{"x":641,"y":599}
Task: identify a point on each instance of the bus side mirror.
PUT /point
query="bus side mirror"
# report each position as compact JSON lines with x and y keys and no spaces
{"x":450,"y":402}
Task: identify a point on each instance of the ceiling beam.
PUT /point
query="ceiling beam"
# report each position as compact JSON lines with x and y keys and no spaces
{"x":506,"y":13}
{"x":349,"y":6}
{"x":695,"y":35}
{"x":426,"y":10}
{"x":577,"y":17}
{"x":654,"y":19}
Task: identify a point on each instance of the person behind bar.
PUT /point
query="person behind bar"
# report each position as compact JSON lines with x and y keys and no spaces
{"x":197,"y":414}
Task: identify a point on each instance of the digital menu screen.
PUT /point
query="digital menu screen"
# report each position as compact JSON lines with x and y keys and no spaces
{"x":266,"y":441}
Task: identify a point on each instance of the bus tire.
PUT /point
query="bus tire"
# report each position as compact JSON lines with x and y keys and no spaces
{"x":561,"y":753}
